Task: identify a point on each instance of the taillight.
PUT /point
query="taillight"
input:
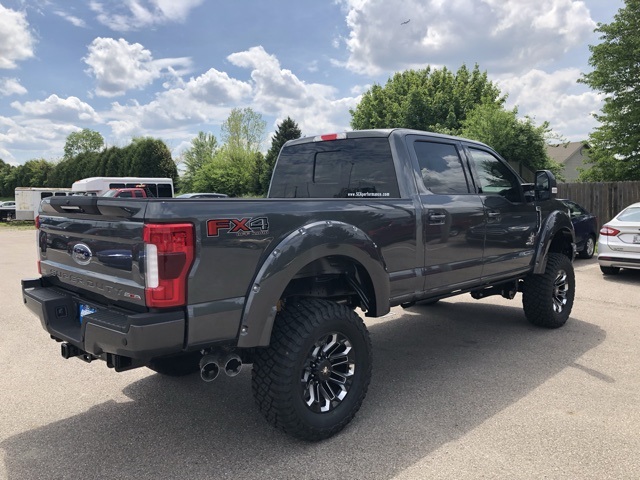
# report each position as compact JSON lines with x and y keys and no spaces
{"x":609,"y":231}
{"x":169,"y":252}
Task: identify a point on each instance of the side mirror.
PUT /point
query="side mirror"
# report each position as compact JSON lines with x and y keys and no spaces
{"x":545,"y":186}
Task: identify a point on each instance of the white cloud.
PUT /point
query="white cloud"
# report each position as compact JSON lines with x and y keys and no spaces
{"x":70,"y":109}
{"x":16,"y":41}
{"x":139,"y":14}
{"x":32,"y":138}
{"x":500,"y":35}
{"x":279,"y":92}
{"x":554,"y":97}
{"x":119,"y":66}
{"x":11,"y":86}
{"x":204,"y":99}
{"x":72,"y":19}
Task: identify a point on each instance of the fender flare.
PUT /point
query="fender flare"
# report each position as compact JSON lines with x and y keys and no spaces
{"x":557,"y":222}
{"x":301,"y":247}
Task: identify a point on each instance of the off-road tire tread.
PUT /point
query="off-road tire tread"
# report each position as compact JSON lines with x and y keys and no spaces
{"x":537,"y":293}
{"x":275,"y":366}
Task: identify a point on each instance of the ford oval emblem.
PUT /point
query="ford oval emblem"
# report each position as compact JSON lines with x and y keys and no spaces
{"x":81,"y":254}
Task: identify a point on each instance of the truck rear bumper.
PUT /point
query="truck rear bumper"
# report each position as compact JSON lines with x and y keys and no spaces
{"x":130,"y":334}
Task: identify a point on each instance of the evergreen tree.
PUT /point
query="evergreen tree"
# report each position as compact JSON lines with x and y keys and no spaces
{"x":287,"y":130}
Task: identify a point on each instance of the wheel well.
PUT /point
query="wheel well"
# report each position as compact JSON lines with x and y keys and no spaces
{"x":561,"y":243}
{"x":336,"y":278}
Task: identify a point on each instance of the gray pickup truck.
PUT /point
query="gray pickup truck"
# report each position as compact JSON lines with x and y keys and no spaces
{"x":360,"y":220}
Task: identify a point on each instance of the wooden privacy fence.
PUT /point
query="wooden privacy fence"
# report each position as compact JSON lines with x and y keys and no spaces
{"x":603,"y":199}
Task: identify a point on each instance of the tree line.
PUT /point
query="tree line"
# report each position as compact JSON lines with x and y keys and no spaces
{"x":143,"y":157}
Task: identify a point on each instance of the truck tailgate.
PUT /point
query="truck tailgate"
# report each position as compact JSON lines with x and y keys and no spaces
{"x":95,"y":246}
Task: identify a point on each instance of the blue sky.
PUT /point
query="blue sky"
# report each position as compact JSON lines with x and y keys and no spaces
{"x":172,"y":68}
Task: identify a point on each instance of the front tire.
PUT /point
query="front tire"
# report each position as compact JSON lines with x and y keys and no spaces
{"x":548,"y":298}
{"x":313,"y":377}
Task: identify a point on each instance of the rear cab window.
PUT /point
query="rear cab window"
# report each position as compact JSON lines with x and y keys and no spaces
{"x":346,"y":168}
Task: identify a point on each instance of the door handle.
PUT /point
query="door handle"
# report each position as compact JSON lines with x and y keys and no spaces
{"x":437,"y":218}
{"x":493,"y":214}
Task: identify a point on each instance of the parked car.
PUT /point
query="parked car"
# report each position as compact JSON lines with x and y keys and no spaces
{"x":202,"y":195}
{"x":586,"y":226}
{"x":7,"y":210}
{"x":619,"y":241}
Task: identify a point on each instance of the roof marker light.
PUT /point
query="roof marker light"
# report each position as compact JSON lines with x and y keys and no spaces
{"x":330,"y":136}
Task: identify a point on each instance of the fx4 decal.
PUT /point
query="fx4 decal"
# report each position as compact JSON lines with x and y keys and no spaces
{"x":238,"y":226}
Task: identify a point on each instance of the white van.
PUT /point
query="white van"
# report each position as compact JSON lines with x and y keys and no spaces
{"x":158,"y":187}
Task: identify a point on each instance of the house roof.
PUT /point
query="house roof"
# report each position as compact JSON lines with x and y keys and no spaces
{"x":563,"y":151}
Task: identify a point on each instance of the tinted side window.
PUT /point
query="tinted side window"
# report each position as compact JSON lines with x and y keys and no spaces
{"x":164,"y":190}
{"x":349,"y":168}
{"x":495,"y":176}
{"x":441,"y":168}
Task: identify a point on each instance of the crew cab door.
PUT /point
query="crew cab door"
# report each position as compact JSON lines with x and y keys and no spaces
{"x":511,"y":223}
{"x":450,"y":209}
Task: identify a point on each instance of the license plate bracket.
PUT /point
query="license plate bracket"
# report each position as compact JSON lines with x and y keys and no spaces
{"x":636,"y":239}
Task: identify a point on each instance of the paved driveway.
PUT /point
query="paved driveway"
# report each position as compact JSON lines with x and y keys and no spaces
{"x":463,"y":389}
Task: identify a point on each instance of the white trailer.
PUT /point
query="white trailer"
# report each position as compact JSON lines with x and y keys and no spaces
{"x":28,"y":200}
{"x":158,"y":187}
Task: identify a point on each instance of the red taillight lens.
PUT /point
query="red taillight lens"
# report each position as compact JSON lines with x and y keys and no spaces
{"x":609,"y":231}
{"x":37,"y":222}
{"x":169,"y":252}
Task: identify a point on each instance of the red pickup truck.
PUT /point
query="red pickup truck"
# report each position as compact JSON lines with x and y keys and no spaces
{"x":137,"y":192}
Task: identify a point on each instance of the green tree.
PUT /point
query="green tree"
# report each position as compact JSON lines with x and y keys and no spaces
{"x":230,"y":172}
{"x":287,"y":130}
{"x":615,"y":143}
{"x":202,"y":151}
{"x":5,"y":171}
{"x":243,"y":130}
{"x":517,"y":140}
{"x":150,"y":157}
{"x":82,"y":142}
{"x":433,"y":100}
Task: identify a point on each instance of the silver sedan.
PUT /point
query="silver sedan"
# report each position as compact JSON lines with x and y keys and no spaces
{"x":619,"y":241}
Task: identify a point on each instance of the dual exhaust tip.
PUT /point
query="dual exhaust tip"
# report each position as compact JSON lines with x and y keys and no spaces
{"x":211,"y":364}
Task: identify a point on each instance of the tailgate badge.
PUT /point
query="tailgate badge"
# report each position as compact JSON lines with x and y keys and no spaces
{"x":81,"y":254}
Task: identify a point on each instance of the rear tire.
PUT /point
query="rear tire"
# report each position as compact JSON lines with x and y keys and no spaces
{"x":548,"y":298}
{"x":589,"y":248}
{"x":312,"y":378}
{"x":610,"y":270}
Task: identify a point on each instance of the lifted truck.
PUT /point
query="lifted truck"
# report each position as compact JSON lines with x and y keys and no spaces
{"x":364,"y":219}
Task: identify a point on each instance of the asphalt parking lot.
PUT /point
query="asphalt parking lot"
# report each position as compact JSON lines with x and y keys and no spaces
{"x":463,"y":389}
